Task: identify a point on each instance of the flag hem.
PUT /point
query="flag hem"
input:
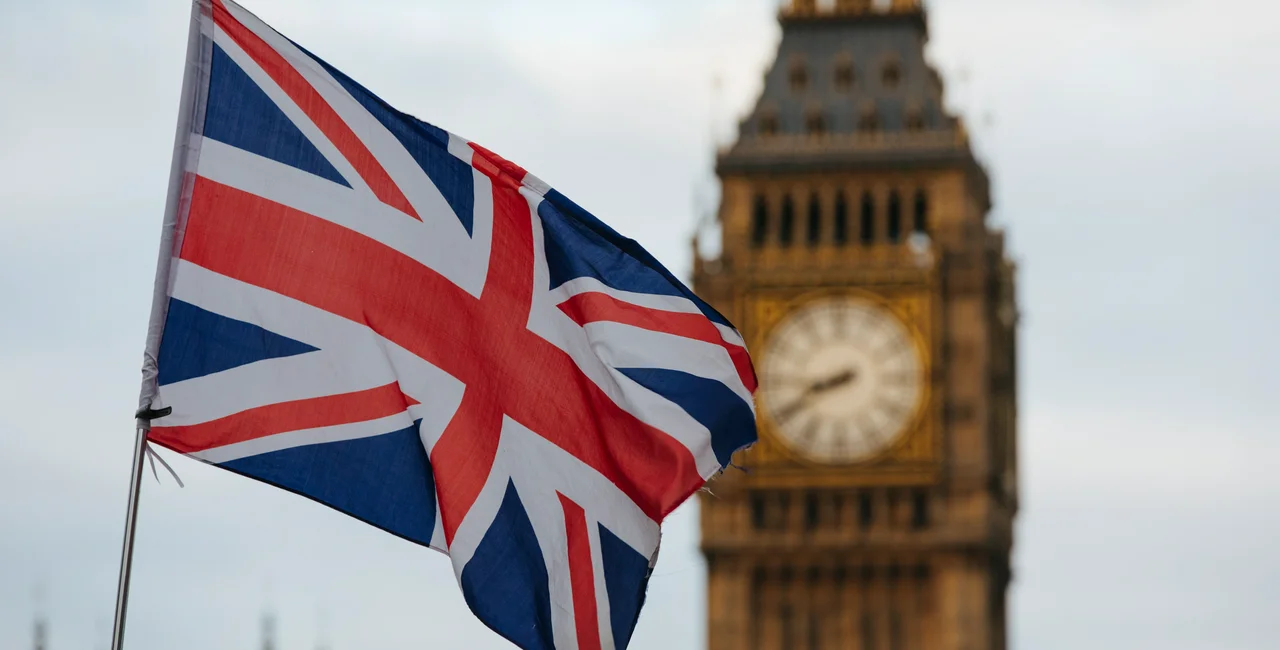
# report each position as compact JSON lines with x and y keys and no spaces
{"x":186,"y":153}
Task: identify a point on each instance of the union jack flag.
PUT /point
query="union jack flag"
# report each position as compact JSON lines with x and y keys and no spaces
{"x":381,"y":316}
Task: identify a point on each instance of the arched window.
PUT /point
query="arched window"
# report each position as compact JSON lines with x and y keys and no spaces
{"x":798,"y":76}
{"x":891,"y":75}
{"x":767,"y":124}
{"x":868,"y":225}
{"x":841,"y":230}
{"x":844,"y":76}
{"x":759,"y":222}
{"x":813,"y":229}
{"x":869,"y":121}
{"x":815,"y":123}
{"x":786,"y":224}
{"x":922,"y":212}
{"x":915,"y":120}
{"x":895,"y":218}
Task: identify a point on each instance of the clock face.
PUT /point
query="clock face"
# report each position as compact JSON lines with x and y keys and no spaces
{"x":841,"y":379}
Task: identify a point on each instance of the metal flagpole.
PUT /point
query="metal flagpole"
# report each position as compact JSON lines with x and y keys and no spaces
{"x":195,"y":81}
{"x":130,"y":525}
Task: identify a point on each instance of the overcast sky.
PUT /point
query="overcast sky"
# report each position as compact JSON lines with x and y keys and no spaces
{"x":1133,"y":149}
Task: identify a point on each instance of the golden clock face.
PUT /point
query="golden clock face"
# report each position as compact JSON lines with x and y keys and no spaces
{"x":841,"y":379}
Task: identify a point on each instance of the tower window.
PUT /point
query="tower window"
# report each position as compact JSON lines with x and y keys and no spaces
{"x":786,"y":225}
{"x":920,"y":572}
{"x":844,"y":76}
{"x":915,"y":120}
{"x":799,"y":77}
{"x":788,"y":624}
{"x":922,"y":212}
{"x":841,"y":230}
{"x":758,"y":511}
{"x":815,"y":631}
{"x":919,"y":510}
{"x":895,"y":218}
{"x":783,"y":514}
{"x":815,"y":123}
{"x":895,"y":629}
{"x":868,"y":630}
{"x":768,"y":124}
{"x":813,"y":231}
{"x":891,"y":74}
{"x":869,"y":121}
{"x":785,"y":574}
{"x":812,"y":516}
{"x":865,"y":513}
{"x":759,"y":222}
{"x":868,"y":225}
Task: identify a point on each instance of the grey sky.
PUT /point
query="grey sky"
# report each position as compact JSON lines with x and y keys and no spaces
{"x":1132,"y":147}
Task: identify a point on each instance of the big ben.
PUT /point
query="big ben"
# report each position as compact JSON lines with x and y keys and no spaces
{"x":876,"y":512}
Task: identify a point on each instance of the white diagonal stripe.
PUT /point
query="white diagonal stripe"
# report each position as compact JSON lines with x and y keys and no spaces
{"x":305,"y":438}
{"x":291,"y":110}
{"x":468,"y":255}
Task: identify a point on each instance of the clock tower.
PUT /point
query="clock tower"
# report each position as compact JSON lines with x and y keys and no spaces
{"x":876,"y":512}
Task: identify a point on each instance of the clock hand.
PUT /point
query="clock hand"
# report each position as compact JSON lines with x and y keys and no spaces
{"x":787,"y":412}
{"x":812,"y":390}
{"x":831,"y":383}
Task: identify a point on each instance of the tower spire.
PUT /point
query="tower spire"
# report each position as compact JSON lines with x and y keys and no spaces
{"x":40,"y":626}
{"x":40,"y":635}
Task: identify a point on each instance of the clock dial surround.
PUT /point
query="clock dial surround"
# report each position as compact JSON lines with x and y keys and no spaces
{"x":842,"y":380}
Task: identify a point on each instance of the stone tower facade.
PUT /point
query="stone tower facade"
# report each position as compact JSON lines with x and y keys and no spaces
{"x":877,"y":511}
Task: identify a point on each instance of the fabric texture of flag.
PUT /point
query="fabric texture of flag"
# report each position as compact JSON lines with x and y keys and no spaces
{"x":381,"y":316}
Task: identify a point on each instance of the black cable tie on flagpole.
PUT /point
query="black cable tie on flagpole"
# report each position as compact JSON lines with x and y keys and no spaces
{"x":149,"y":414}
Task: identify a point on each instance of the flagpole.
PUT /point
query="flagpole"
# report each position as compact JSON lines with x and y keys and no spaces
{"x":195,"y":84}
{"x":130,"y":527}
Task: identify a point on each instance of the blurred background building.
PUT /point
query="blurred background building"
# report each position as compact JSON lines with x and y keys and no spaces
{"x":877,"y":511}
{"x":40,"y":635}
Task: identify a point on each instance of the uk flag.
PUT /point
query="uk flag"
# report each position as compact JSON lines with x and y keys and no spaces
{"x":376,"y":314}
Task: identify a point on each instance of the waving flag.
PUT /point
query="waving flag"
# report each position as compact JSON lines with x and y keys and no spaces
{"x":371,"y":312}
